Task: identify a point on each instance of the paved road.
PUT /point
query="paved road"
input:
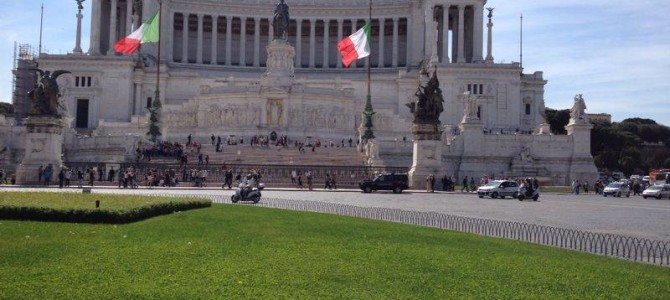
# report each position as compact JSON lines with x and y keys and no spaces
{"x":634,"y":216}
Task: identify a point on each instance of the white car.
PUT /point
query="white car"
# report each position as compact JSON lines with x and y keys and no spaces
{"x":499,"y":188}
{"x":617,"y":189}
{"x":657,"y":191}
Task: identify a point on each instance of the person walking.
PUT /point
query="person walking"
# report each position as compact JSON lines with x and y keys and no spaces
{"x":61,"y":178}
{"x":308,"y":174}
{"x":40,"y":173}
{"x":430,"y":183}
{"x":68,"y":177}
{"x":465,"y":185}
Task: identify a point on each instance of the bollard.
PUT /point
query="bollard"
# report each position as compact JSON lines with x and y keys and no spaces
{"x":97,"y":203}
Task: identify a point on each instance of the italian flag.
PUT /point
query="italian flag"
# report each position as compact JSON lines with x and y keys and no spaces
{"x":147,"y":33}
{"x":356,"y":46}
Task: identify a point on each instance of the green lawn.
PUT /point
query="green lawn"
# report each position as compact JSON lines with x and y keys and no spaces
{"x":249,"y":252}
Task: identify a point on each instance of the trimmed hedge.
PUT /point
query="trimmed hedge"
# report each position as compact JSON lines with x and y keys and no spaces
{"x":99,"y":215}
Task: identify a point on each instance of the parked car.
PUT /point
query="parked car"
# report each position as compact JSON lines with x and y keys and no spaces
{"x":391,"y":182}
{"x":657,"y":191}
{"x":499,"y":188}
{"x":617,"y":189}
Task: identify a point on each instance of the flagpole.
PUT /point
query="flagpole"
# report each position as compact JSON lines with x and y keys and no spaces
{"x":368,"y":112}
{"x":157,"y":102}
{"x":158,"y":61}
{"x":369,"y":57}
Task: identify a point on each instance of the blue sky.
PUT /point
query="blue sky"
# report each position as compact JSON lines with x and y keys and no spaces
{"x":615,"y":53}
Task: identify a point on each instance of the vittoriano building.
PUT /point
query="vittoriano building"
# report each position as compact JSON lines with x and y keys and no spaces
{"x":222,"y":74}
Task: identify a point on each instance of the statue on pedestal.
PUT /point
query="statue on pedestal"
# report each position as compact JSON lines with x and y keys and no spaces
{"x":577,"y":113}
{"x":45,"y":96}
{"x":429,"y":104}
{"x":280,"y":20}
{"x":471,"y":108}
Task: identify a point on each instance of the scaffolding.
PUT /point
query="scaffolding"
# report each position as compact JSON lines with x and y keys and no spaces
{"x":25,"y":79}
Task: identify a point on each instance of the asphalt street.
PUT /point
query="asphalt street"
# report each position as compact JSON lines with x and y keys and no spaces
{"x":634,"y":216}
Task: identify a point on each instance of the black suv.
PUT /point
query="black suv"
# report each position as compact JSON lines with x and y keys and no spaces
{"x":390,"y":182}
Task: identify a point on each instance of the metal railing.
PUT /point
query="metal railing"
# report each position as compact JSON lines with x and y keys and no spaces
{"x":612,"y":245}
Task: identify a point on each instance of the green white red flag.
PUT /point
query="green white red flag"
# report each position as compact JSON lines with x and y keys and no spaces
{"x":147,"y":33}
{"x":356,"y":46}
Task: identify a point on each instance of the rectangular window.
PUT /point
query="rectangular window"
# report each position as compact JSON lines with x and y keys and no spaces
{"x":76,"y":81}
{"x":476,"y":88}
{"x":89,"y":81}
{"x":149,"y":102}
{"x":528,"y":108}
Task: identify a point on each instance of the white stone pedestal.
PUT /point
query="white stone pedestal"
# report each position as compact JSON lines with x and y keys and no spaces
{"x":280,"y":72}
{"x":581,"y":163}
{"x":44,"y":143}
{"x":427,"y":154}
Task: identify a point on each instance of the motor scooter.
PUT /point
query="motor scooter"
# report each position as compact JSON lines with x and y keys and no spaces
{"x":245,"y":193}
{"x":525,"y":193}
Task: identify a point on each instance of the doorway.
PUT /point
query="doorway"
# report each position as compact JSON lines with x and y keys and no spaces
{"x":82,"y":113}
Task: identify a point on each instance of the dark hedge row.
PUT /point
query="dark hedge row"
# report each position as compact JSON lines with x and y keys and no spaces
{"x":99,"y":215}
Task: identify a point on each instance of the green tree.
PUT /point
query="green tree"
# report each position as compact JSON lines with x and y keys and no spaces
{"x":557,"y":120}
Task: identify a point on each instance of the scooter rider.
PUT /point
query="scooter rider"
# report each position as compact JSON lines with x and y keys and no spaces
{"x":249,"y":183}
{"x":529,"y":187}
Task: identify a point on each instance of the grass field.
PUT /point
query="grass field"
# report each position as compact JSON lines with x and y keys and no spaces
{"x":249,"y":252}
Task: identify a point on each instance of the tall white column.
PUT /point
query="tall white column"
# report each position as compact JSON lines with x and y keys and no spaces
{"x":409,"y":48}
{"x":445,"y":35}
{"x":477,"y":46}
{"x":129,"y":17}
{"x":169,"y":53}
{"x":243,"y":41}
{"x":394,"y":57}
{"x":215,"y":40}
{"x":257,"y":41}
{"x":96,"y":13}
{"x":380,"y":56}
{"x":312,"y":42}
{"x":461,"y":33}
{"x":353,"y":29}
{"x":136,"y":19}
{"x":489,"y":39}
{"x":229,"y":39}
{"x":198,"y":53}
{"x":184,"y":39}
{"x":339,"y":38}
{"x":429,"y":32}
{"x":298,"y":44}
{"x":326,"y":43}
{"x":77,"y":45}
{"x":112,"y":27}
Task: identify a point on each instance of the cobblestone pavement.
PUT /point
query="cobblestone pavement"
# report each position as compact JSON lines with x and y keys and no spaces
{"x":634,"y":216}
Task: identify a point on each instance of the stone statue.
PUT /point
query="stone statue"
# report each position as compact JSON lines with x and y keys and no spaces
{"x":578,"y":108}
{"x":281,"y":20}
{"x":45,"y":96}
{"x":471,"y":108}
{"x":429,"y":104}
